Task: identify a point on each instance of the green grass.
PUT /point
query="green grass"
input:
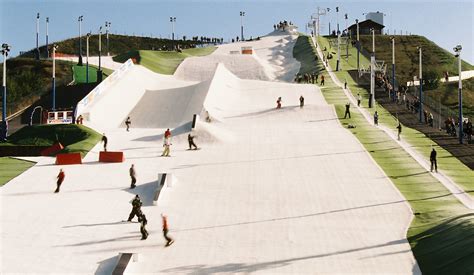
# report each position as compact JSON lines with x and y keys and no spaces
{"x":75,"y":138}
{"x":11,"y":168}
{"x":80,"y":73}
{"x":306,"y":56}
{"x":163,"y":62}
{"x":442,"y":232}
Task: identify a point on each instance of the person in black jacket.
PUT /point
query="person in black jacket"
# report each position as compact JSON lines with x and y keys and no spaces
{"x":143,"y":222}
{"x":104,"y":140}
{"x":433,"y":160}
{"x":191,"y":142}
{"x":136,"y":208}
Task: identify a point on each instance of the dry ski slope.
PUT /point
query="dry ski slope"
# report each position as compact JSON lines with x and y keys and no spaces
{"x":271,"y":191}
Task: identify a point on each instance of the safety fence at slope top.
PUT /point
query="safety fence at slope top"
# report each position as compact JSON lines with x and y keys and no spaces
{"x":99,"y":89}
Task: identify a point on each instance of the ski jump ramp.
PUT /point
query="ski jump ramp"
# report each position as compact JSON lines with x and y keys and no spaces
{"x":290,"y":191}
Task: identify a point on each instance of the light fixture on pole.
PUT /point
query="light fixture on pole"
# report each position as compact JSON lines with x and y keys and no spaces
{"x":337,"y":20}
{"x":87,"y":56}
{"x":79,"y":19}
{"x":457,"y":50}
{"x":358,"y":45}
{"x":393,"y":62}
{"x":329,"y":9}
{"x":55,"y":47}
{"x":373,"y":40}
{"x":99,"y":71}
{"x":37,"y":36}
{"x":107,"y":27}
{"x":5,"y":50}
{"x":47,"y":33}
{"x":338,"y":62}
{"x":421,"y":85}
{"x":172,"y":20}
{"x":242,"y":14}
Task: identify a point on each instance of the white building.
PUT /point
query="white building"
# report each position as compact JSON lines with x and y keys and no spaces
{"x":375,"y":16}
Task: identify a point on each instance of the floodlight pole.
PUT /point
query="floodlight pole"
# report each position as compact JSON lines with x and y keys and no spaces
{"x":54,"y":76}
{"x":338,"y":52}
{"x":358,"y":45}
{"x":458,"y":49}
{"x":80,"y":40}
{"x":172,"y":20}
{"x":47,"y":34}
{"x":242,"y":14}
{"x":5,"y":50}
{"x":99,"y":72}
{"x":337,"y":19}
{"x":421,"y":85}
{"x":87,"y":57}
{"x":372,"y":81}
{"x":37,"y":37}
{"x":393,"y":63}
{"x":107,"y":26}
{"x":373,"y":40}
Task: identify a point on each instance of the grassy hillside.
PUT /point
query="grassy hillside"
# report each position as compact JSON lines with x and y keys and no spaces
{"x":80,"y":73}
{"x":10,"y":168}
{"x":118,"y":44}
{"x":75,"y":138}
{"x":28,"y":80}
{"x":164,"y":62}
{"x":306,"y":55}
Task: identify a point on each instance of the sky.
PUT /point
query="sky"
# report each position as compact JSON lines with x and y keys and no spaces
{"x":447,"y":23}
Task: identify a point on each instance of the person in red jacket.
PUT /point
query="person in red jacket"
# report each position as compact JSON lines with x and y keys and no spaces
{"x":167,"y":133}
{"x":169,"y":240}
{"x":60,"y":178}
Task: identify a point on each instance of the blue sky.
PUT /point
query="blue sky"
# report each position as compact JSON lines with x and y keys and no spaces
{"x":445,"y":22}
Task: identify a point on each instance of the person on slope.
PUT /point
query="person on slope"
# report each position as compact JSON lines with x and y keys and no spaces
{"x":348,"y":112}
{"x":167,"y":133}
{"x":133,"y":176}
{"x":191,"y":142}
{"x":168,"y":239}
{"x":399,"y":128}
{"x":322,"y":80}
{"x":136,"y":208}
{"x":376,"y":118}
{"x":127,"y":123}
{"x":60,"y":180}
{"x":301,"y":101}
{"x":104,"y":140}
{"x":279,"y":102}
{"x":166,"y":144}
{"x":143,"y":222}
{"x":433,"y":161}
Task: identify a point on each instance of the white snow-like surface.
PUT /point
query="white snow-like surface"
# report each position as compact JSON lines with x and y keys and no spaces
{"x":271,"y":191}
{"x":105,"y":61}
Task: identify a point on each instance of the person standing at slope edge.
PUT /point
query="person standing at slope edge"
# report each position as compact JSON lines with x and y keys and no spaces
{"x":133,"y":176}
{"x":191,"y":142}
{"x":169,"y":240}
{"x":348,"y":112}
{"x":127,"y":123}
{"x":104,"y":140}
{"x":166,"y":145}
{"x":167,"y":133}
{"x":301,"y":101}
{"x":60,"y":178}
{"x":322,"y":80}
{"x":433,"y":161}
{"x":279,"y":102}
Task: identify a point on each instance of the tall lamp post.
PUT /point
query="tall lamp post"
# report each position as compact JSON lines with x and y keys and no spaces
{"x":55,"y":47}
{"x":5,"y":49}
{"x":393,"y":62}
{"x":47,"y":34}
{"x":242,"y":14}
{"x":358,"y":45}
{"x":421,"y":84}
{"x":372,"y":72}
{"x":99,"y":72}
{"x":338,"y":51}
{"x":87,"y":56}
{"x":172,"y":20}
{"x":457,"y":50}
{"x":79,"y":19}
{"x":337,"y":20}
{"x":107,"y":27}
{"x":37,"y":36}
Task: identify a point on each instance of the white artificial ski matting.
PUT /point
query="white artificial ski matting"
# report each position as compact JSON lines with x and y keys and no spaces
{"x":271,"y":190}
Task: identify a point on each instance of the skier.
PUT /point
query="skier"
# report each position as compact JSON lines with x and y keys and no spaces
{"x":301,"y":101}
{"x":191,"y":142}
{"x":279,"y":102}
{"x":133,"y":176}
{"x":104,"y":140}
{"x":169,"y":240}
{"x":127,"y":123}
{"x":348,"y":112}
{"x":136,"y":208}
{"x":166,"y":144}
{"x":399,"y":127}
{"x":143,"y":222}
{"x":433,"y":161}
{"x":60,"y":178}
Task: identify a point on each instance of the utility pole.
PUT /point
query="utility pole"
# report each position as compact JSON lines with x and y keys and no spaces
{"x":393,"y":62}
{"x":107,"y":26}
{"x":337,"y":19}
{"x":172,"y":20}
{"x":80,"y":18}
{"x":99,"y":72}
{"x":372,"y":72}
{"x":458,"y":49}
{"x":5,"y":50}
{"x":242,"y":14}
{"x":338,"y":64}
{"x":37,"y":37}
{"x":358,"y":45}
{"x":87,"y":56}
{"x":47,"y":33}
{"x":55,"y":47}
{"x":421,"y":86}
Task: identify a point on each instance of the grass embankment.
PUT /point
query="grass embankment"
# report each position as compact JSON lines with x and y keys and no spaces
{"x":74,"y":138}
{"x":11,"y":168}
{"x":442,"y":232}
{"x":80,"y":74}
{"x":303,"y":54}
{"x":436,"y":61}
{"x":163,"y":62}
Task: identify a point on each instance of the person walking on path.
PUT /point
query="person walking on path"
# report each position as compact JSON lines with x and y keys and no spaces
{"x":191,"y":142}
{"x":348,"y":112}
{"x":136,"y":208}
{"x":359,"y":98}
{"x":279,"y":102}
{"x":322,"y":80}
{"x":399,"y":127}
{"x":127,"y":123}
{"x":60,"y":180}
{"x":433,"y":161}
{"x":376,"y":118}
{"x":166,"y":144}
{"x":104,"y":140}
{"x":133,"y":176}
{"x":301,"y":101}
{"x":143,"y":222}
{"x":168,"y":239}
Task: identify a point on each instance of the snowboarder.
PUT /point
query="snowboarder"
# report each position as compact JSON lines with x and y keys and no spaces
{"x":127,"y":123}
{"x":136,"y":208}
{"x":133,"y":176}
{"x":376,"y":118}
{"x":60,"y":180}
{"x":301,"y":101}
{"x":169,"y":240}
{"x":166,"y":144}
{"x":399,"y":127}
{"x":143,"y":222}
{"x":279,"y":102}
{"x":191,"y":142}
{"x":104,"y":140}
{"x":348,"y":112}
{"x":433,"y":161}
